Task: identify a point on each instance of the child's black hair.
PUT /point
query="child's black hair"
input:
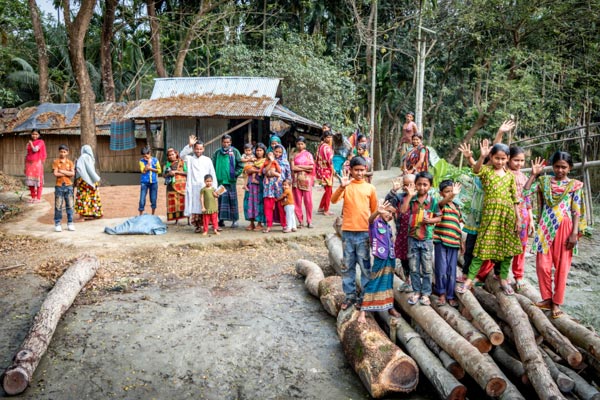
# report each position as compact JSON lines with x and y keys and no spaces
{"x":424,"y":175}
{"x":561,"y":156}
{"x":445,"y":183}
{"x":207,"y":176}
{"x":248,"y":146}
{"x":63,"y":147}
{"x":360,"y":136}
{"x":500,"y":147}
{"x":358,"y":161}
{"x":145,"y":150}
{"x":515,"y":151}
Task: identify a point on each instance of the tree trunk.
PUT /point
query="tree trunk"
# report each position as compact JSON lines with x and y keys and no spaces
{"x":18,"y":376}
{"x":381,"y":365}
{"x":76,"y":32}
{"x":335,"y":252}
{"x":485,"y":373}
{"x":331,"y":294}
{"x":577,"y":334}
{"x":462,"y":326}
{"x":485,"y":323}
{"x":511,"y":392}
{"x":40,"y":41}
{"x":108,"y":21}
{"x":529,"y":353}
{"x":582,"y":389}
{"x":509,"y":363}
{"x":446,"y":384}
{"x":313,"y":274}
{"x":155,"y":39}
{"x":564,"y":383}
{"x":561,"y":344}
{"x":447,"y":361}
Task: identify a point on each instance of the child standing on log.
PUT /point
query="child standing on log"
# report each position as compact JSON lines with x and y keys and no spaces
{"x":379,"y":292}
{"x":424,"y":214}
{"x":395,"y":198}
{"x":561,"y":223}
{"x":447,"y":240}
{"x":497,"y":237}
{"x":360,"y":201}
{"x":63,"y":169}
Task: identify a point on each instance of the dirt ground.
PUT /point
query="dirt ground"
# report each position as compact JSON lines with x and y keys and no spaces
{"x":180,"y":316}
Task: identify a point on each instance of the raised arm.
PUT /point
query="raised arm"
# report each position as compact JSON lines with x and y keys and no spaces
{"x":485,"y":151}
{"x":506,"y":126}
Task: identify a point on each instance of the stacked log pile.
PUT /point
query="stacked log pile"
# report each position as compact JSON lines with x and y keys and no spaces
{"x":492,"y":337}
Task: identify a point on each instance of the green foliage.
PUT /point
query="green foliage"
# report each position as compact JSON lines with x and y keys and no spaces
{"x":8,"y":98}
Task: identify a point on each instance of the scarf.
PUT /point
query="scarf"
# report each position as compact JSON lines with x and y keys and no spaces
{"x":229,"y":151}
{"x":85,"y":168}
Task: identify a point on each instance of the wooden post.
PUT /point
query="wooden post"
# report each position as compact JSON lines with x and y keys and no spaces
{"x":529,"y":353}
{"x":446,"y":384}
{"x":18,"y":376}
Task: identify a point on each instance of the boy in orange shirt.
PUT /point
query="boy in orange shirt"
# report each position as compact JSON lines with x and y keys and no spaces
{"x":360,"y":201}
{"x":63,"y":169}
{"x":287,"y":201}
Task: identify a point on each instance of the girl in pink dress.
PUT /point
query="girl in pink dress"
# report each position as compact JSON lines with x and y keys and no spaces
{"x":34,"y":166}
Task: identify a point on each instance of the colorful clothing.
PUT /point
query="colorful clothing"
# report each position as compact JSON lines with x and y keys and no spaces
{"x":518,"y":262}
{"x":447,"y":231}
{"x":149,"y":176}
{"x":34,"y":166}
{"x":472,"y":219}
{"x":176,"y":188}
{"x":417,"y":229}
{"x":324,"y":164}
{"x":379,"y":293}
{"x":408,"y":130}
{"x":210,"y":201}
{"x":228,"y":166}
{"x":562,"y":200}
{"x":413,"y":157}
{"x":87,"y":202}
{"x":66,"y":165}
{"x":496,"y":239}
{"x":402,"y":225}
{"x":302,"y":185}
{"x":360,"y":201}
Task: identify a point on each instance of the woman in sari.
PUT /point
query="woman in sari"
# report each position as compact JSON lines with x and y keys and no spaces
{"x":175,"y":179}
{"x":87,"y":199}
{"x":417,"y":160}
{"x":324,"y":170}
{"x":253,"y":198}
{"x":303,"y":166}
{"x":34,"y":166}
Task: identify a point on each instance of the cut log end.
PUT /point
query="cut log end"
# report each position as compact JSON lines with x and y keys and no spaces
{"x":483,"y":345}
{"x":495,"y":387}
{"x":496,"y":338}
{"x":574,"y":359}
{"x":15,"y":381}
{"x":458,"y":393}
{"x":402,"y":376}
{"x":456,"y":370}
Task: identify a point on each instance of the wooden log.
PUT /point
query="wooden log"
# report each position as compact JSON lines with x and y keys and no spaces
{"x":511,"y":392}
{"x":485,"y":322}
{"x":462,"y":326}
{"x":446,"y":385}
{"x":486,"y":374}
{"x":590,"y":360}
{"x":529,"y":353}
{"x":447,"y":361}
{"x":582,"y":389}
{"x":381,"y":365}
{"x":564,"y":383}
{"x":313,"y":274}
{"x":335,"y":252}
{"x":510,"y":363}
{"x":331,"y":294}
{"x":18,"y":376}
{"x":559,"y":342}
{"x":577,"y":333}
{"x":337,"y":226}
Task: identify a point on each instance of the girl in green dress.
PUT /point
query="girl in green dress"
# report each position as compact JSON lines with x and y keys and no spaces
{"x":497,"y":239}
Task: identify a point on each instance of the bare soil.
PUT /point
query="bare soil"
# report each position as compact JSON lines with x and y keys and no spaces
{"x":181,"y":316}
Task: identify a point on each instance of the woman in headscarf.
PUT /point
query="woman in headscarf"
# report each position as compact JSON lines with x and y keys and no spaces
{"x":275,"y":141}
{"x":253,"y":198}
{"x":303,"y":166}
{"x":87,"y":199}
{"x":34,"y":166}
{"x":175,"y":179}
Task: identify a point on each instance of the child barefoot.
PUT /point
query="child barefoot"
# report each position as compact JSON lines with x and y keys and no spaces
{"x":379,"y":292}
{"x":210,"y":209}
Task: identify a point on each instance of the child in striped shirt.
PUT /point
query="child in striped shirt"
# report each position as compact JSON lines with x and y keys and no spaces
{"x":447,"y":241}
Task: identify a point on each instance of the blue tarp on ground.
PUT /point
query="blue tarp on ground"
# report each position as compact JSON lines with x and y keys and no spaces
{"x":141,"y":225}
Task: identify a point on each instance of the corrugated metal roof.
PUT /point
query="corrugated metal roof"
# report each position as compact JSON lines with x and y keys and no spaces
{"x":288,"y":115}
{"x":222,"y":85}
{"x":204,"y":106}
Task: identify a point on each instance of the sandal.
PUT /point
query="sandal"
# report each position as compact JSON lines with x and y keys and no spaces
{"x":519,"y":283}
{"x":346,"y":304}
{"x":464,"y":288}
{"x":507,"y":289}
{"x":452,"y":303}
{"x":439,"y":302}
{"x":405,"y":287}
{"x":544,"y":305}
{"x":557,"y":313}
{"x":414,"y":298}
{"x":425,"y":301}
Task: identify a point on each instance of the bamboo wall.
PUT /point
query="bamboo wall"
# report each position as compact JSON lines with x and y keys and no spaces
{"x":12,"y":153}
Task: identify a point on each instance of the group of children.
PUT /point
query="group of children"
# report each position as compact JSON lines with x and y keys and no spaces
{"x":429,"y":233}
